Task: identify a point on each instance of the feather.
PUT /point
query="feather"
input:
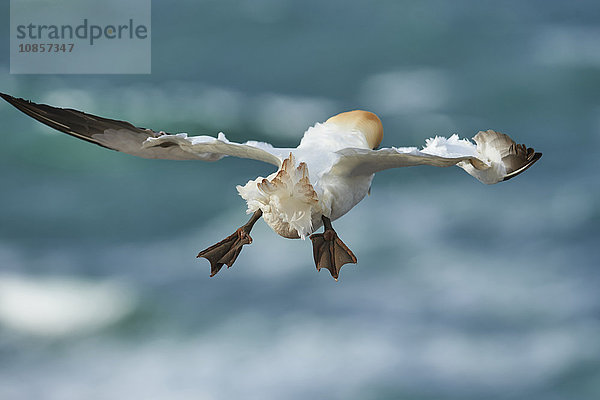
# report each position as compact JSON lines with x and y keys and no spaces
{"x":365,"y":122}
{"x":515,"y":157}
{"x":287,"y":199}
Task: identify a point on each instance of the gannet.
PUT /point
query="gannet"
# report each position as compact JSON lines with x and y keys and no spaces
{"x":314,"y":184}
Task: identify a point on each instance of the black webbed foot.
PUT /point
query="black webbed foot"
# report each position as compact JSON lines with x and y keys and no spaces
{"x":227,"y":250}
{"x":329,"y":251}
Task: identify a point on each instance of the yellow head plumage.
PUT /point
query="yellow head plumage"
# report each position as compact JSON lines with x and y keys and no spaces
{"x":365,"y":122}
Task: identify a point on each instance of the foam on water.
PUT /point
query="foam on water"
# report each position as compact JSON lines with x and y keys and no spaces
{"x":61,"y":306}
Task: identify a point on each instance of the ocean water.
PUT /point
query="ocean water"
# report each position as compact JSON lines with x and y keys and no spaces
{"x":462,"y":290}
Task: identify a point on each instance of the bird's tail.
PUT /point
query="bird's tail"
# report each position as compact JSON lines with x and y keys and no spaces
{"x":287,"y":199}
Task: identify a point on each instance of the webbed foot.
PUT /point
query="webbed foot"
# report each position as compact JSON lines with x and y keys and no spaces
{"x":227,"y":250}
{"x":329,"y":251}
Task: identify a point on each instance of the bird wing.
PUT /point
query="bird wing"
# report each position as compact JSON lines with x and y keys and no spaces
{"x":493,"y":158}
{"x":146,"y":143}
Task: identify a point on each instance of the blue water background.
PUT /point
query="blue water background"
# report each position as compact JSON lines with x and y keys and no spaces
{"x":462,"y":290}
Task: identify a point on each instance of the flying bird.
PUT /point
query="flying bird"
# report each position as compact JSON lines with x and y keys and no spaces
{"x":315,"y":183}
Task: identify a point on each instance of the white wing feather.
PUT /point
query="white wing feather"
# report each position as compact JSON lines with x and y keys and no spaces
{"x":208,"y":148}
{"x":494,"y":158}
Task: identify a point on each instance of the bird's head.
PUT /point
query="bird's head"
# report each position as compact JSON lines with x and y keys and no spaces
{"x":365,"y":122}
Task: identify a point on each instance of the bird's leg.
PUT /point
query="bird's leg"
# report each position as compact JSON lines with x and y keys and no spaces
{"x":227,"y":250}
{"x":329,"y":250}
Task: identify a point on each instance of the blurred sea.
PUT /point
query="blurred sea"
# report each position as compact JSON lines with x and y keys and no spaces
{"x":462,"y":291}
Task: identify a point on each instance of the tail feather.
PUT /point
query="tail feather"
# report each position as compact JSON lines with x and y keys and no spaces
{"x":287,"y":199}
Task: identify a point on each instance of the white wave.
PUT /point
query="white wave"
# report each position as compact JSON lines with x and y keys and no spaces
{"x":61,"y":306}
{"x":253,"y":356}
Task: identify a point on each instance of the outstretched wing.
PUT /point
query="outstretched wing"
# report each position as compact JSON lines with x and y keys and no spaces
{"x":493,"y":158}
{"x":127,"y":138}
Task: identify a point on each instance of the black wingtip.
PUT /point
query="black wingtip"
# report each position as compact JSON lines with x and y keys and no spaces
{"x":532,"y":161}
{"x":7,"y":97}
{"x":15,"y":101}
{"x":47,"y":115}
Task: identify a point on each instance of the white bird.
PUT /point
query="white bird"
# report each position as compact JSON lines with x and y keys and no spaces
{"x":315,"y":183}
